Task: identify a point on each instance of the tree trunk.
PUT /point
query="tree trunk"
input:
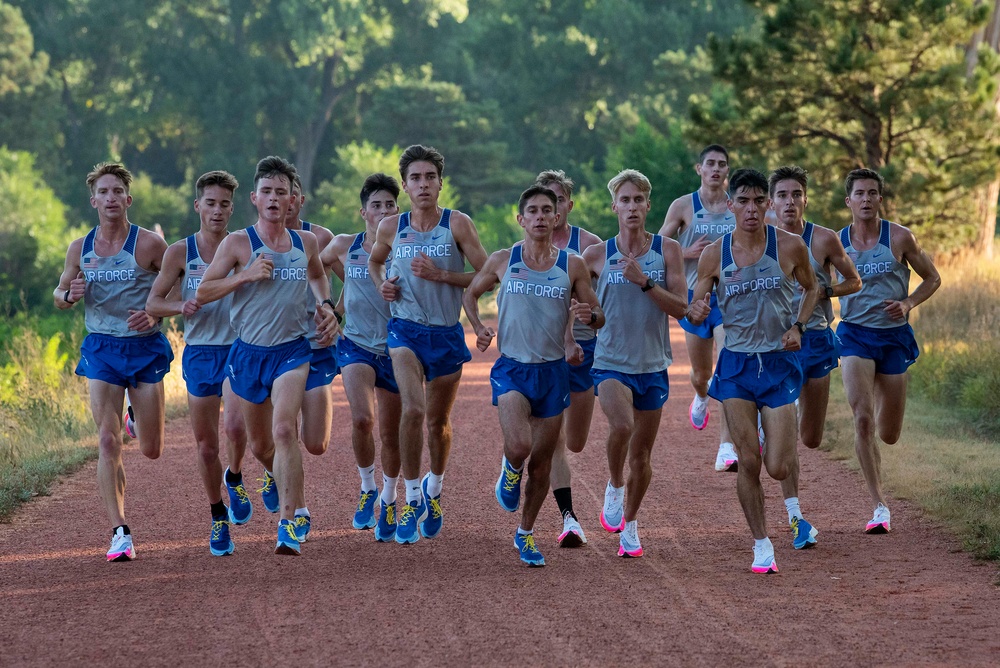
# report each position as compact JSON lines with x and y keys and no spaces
{"x":987,"y":195}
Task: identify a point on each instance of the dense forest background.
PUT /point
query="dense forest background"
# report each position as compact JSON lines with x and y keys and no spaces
{"x":504,"y":89}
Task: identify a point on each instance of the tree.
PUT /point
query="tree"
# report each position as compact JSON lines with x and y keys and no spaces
{"x":850,"y":83}
{"x":987,"y":37}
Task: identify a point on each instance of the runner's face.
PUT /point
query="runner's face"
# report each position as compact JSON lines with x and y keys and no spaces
{"x":110,"y":198}
{"x":380,"y":204}
{"x":422,"y":184}
{"x":563,"y":203}
{"x":539,"y":218}
{"x":272,"y":198}
{"x":789,"y":201}
{"x":294,"y":208}
{"x":864,"y":200}
{"x":215,"y":208}
{"x":632,"y":206}
{"x":749,"y":205}
{"x":713,"y":170}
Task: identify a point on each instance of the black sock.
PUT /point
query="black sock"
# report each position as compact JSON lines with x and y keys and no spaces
{"x":219,"y":510}
{"x":233,"y":479}
{"x":564,"y":499}
{"x":124,"y":528}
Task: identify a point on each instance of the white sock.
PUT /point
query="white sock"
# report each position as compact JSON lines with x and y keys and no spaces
{"x":389,"y":489}
{"x":701,"y":400}
{"x":763,"y":542}
{"x":302,"y":512}
{"x":412,"y":491}
{"x":507,"y":463}
{"x":434,"y":484}
{"x":522,"y":532}
{"x":792,"y":506}
{"x":616,"y":492}
{"x":367,"y":478}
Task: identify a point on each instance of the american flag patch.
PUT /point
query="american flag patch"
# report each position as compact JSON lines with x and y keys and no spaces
{"x":699,"y":215}
{"x":618,"y":264}
{"x":268,"y":256}
{"x":358,"y":259}
{"x":90,"y":263}
{"x":407,"y":238}
{"x":197,"y":269}
{"x":733,"y":274}
{"x":519,"y":272}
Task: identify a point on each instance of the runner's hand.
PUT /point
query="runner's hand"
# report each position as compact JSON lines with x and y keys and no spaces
{"x":140,"y":321}
{"x":580,"y":311}
{"x":190,"y":307}
{"x":574,"y":353}
{"x":699,"y":309}
{"x":484,"y":338}
{"x":423,"y":267}
{"x":389,"y":290}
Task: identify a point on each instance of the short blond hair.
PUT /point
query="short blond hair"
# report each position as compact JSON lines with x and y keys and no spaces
{"x":113,"y":168}
{"x":633,"y":176}
{"x":558,"y":176}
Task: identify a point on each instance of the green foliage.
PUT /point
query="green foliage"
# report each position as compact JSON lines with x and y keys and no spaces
{"x":838,"y":85}
{"x":171,"y":209}
{"x":497,"y":226}
{"x":21,"y":68}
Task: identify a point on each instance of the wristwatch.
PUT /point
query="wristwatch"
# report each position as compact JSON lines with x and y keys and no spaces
{"x":649,"y":285}
{"x":798,"y":325}
{"x":828,"y":292}
{"x":593,"y":316}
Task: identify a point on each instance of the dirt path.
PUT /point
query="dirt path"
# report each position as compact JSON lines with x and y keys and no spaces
{"x":907,"y":598}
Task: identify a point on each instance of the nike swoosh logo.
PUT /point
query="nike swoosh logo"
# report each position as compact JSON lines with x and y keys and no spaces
{"x":765,"y":270}
{"x":649,"y":262}
{"x":331,"y":375}
{"x":496,"y":383}
{"x":551,"y":278}
{"x":436,"y":238}
{"x":118,"y":262}
{"x":566,"y":398}
{"x":879,"y":254}
{"x":160,"y":370}
{"x":663,"y":396}
{"x":291,"y":360}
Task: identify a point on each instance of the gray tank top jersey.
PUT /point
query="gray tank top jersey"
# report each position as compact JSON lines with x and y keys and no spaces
{"x":706,"y":224}
{"x":533,"y":307}
{"x":367,"y":314}
{"x":421,"y":301}
{"x":581,"y":332}
{"x":635,"y":337}
{"x":115,"y":285}
{"x":210,"y":325}
{"x":268,"y":313}
{"x":882,"y":277}
{"x":756,"y":301}
{"x":311,"y":334}
{"x":822,"y":315}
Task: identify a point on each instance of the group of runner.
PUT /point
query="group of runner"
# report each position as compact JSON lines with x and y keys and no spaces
{"x":264,"y":339}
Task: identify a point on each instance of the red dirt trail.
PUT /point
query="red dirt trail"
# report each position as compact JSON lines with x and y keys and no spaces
{"x":907,"y":598}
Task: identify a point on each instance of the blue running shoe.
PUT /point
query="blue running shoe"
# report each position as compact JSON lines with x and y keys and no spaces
{"x":409,"y":519}
{"x":431,"y":526}
{"x":803,"y":534}
{"x":508,"y":487}
{"x":240,"y":508}
{"x":525,"y":544}
{"x":269,"y":493}
{"x":288,"y":540}
{"x":302,"y":525}
{"x":385,"y":530}
{"x":364,"y":516}
{"x":220,"y":543}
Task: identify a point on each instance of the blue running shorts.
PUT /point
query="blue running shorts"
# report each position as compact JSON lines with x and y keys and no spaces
{"x":819,"y":354}
{"x":259,"y":366}
{"x":348,"y":353}
{"x":649,"y":390}
{"x":440,"y":350}
{"x":323,"y":367}
{"x":893,"y":349}
{"x":125,"y":361}
{"x":704,"y":330}
{"x":545,"y":385}
{"x":204,"y":369}
{"x":768,"y":379}
{"x":580,"y":379}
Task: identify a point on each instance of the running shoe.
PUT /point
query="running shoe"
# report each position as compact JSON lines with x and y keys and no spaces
{"x":613,"y":513}
{"x":880,"y":522}
{"x":525,"y":544}
{"x":302,"y":525}
{"x":129,"y":418}
{"x":763,"y":559}
{"x":385,"y":530}
{"x":572,"y":533}
{"x":726,"y":459}
{"x":269,"y":492}
{"x":430,"y":527}
{"x":288,"y":540}
{"x":220,"y":543}
{"x":508,"y":487}
{"x":364,"y":515}
{"x":628,"y":541}
{"x":803,"y":534}
{"x":698,"y":412}
{"x":122,"y":548}
{"x":240,"y":508}
{"x":407,"y":522}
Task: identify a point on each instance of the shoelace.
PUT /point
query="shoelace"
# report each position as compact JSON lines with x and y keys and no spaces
{"x":241,"y":493}
{"x":289,"y":528}
{"x":301,"y":520}
{"x":390,"y":514}
{"x":365,"y":498}
{"x":435,"y":508}
{"x":511,"y":478}
{"x":529,"y":543}
{"x":407,"y":513}
{"x":217,"y":526}
{"x":268,"y":482}
{"x":795,"y":527}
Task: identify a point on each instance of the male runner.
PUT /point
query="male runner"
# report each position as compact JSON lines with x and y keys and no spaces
{"x":640,"y":282}
{"x":818,"y":355}
{"x":541,"y":287}
{"x":208,"y":336}
{"x":269,"y":269}
{"x":112,"y":269}
{"x":364,"y":362}
{"x":755,"y":268}
{"x":429,"y":246}
{"x":697,"y":220}
{"x":876,"y":341}
{"x":576,"y":419}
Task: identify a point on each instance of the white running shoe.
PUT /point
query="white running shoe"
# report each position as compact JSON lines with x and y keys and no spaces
{"x":121,"y":546}
{"x":698,"y":412}
{"x":572,"y":533}
{"x":628,"y":541}
{"x":726,"y":459}
{"x":763,"y":558}
{"x":880,"y":522}
{"x":613,"y":513}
